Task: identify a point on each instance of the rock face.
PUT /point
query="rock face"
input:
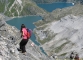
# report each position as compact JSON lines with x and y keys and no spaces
{"x":68,"y":36}
{"x":64,"y":34}
{"x":9,"y":42}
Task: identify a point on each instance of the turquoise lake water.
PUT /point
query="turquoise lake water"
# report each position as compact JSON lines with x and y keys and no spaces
{"x":28,"y":20}
{"x":53,"y":6}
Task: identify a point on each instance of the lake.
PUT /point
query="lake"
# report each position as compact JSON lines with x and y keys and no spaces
{"x":28,"y":20}
{"x":53,"y":6}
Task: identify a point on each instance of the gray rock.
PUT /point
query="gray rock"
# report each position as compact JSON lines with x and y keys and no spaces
{"x":9,"y":42}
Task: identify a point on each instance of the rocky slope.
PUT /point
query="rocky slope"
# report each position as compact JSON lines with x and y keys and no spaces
{"x":20,"y":8}
{"x":59,"y":32}
{"x":9,"y":42}
{"x":64,"y":34}
{"x":59,"y":13}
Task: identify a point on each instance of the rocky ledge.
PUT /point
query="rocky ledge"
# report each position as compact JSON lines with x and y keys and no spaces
{"x":9,"y":42}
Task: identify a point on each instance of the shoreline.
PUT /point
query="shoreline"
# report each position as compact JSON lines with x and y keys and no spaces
{"x":10,"y":18}
{"x":55,"y":2}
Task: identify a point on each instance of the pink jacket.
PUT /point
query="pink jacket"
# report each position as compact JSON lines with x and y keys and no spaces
{"x":24,"y":36}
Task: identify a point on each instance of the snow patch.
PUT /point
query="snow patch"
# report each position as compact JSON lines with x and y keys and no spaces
{"x":72,"y":3}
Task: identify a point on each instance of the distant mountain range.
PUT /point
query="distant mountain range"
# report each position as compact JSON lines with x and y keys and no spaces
{"x":26,"y":7}
{"x":19,"y":8}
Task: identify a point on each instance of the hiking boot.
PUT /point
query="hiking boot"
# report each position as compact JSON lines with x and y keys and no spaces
{"x":24,"y":53}
{"x":19,"y":49}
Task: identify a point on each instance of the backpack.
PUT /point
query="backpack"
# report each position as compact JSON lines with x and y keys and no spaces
{"x":29,"y":33}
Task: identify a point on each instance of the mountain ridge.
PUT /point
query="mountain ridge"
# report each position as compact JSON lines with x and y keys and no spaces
{"x":20,"y":8}
{"x":51,"y":37}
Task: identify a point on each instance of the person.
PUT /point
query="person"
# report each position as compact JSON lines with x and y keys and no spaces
{"x":72,"y":56}
{"x":24,"y":40}
{"x":76,"y":57}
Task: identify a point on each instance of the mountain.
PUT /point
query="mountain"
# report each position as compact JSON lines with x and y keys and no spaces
{"x":62,"y":35}
{"x":59,"y":32}
{"x":57,"y":14}
{"x":20,"y":8}
{"x":9,"y":42}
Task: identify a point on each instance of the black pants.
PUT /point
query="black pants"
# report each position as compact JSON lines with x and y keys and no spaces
{"x":22,"y":44}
